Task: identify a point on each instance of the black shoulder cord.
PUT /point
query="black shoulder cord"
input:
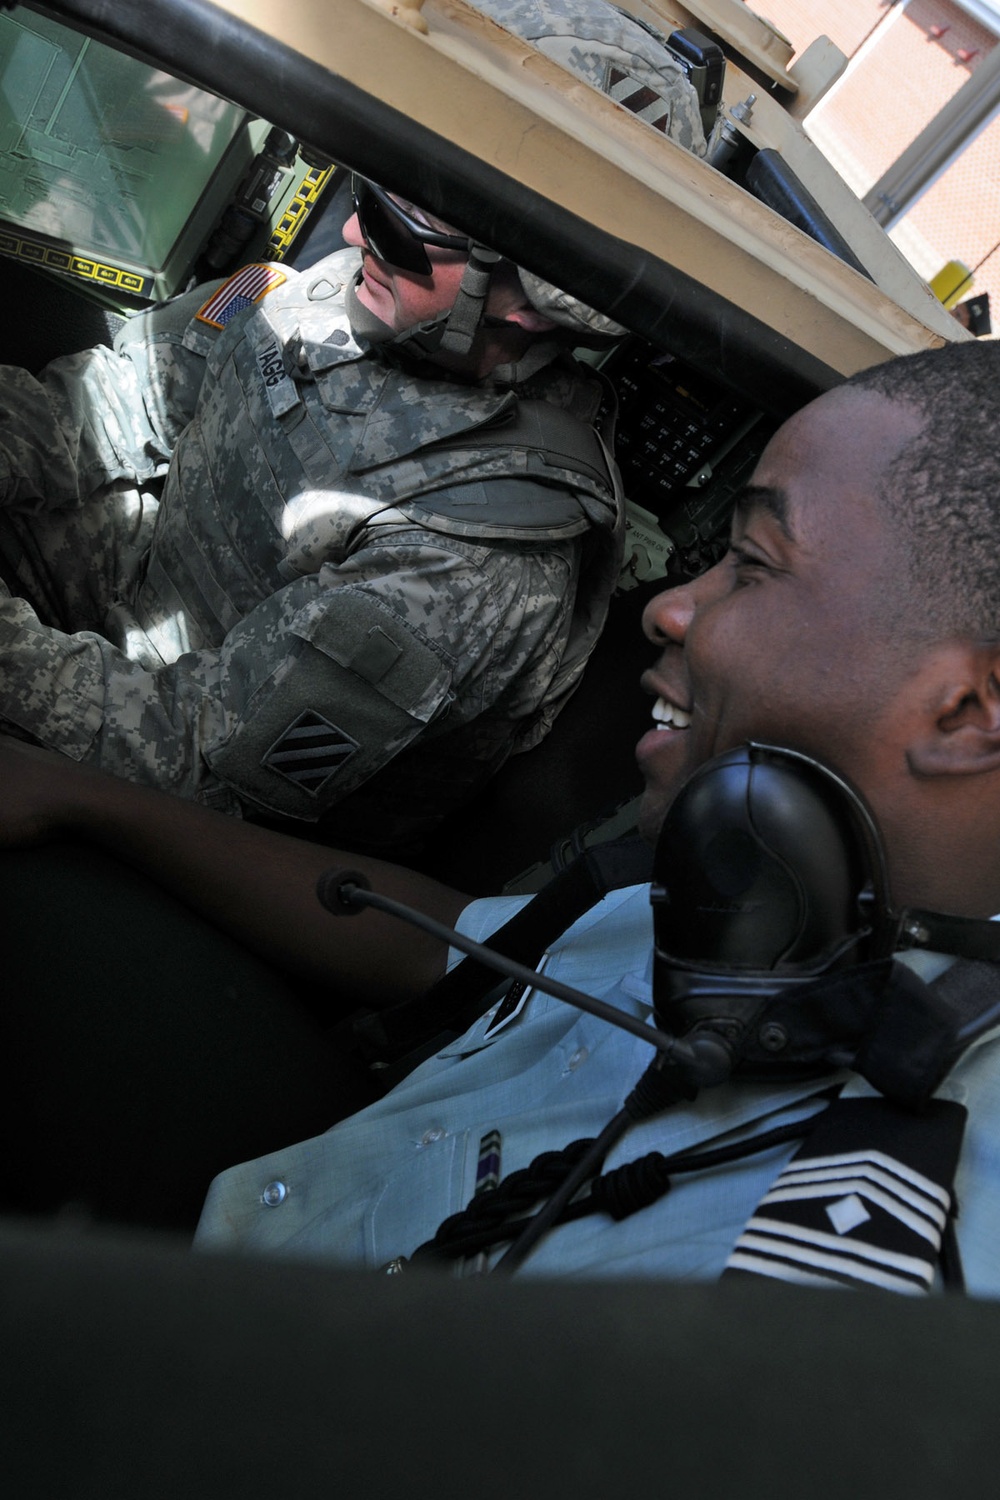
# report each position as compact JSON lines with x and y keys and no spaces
{"x":500,"y":1216}
{"x":487,"y":1220}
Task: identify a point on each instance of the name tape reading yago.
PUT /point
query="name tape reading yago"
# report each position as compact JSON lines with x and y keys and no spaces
{"x":281,"y":390}
{"x":240,"y":292}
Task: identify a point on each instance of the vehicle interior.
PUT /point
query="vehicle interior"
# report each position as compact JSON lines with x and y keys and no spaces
{"x":133,"y":168}
{"x":151,"y":144}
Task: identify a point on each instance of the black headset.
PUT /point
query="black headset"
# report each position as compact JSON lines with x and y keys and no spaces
{"x":774,"y":930}
{"x":769,"y":872}
{"x":774,"y":935}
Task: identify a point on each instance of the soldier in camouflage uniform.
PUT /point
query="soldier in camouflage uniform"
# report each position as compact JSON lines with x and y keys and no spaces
{"x":332,"y":570}
{"x":264,"y":548}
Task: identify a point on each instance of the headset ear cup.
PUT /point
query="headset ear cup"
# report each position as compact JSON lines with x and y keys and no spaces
{"x":761,"y":865}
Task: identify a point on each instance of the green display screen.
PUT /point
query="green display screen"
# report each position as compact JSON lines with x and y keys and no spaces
{"x":104,"y":160}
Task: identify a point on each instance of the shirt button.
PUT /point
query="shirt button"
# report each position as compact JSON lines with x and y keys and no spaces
{"x":436,"y":1133}
{"x":273,"y":1194}
{"x":579,"y":1056}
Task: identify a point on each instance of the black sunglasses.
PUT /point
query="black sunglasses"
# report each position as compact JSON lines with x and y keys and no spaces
{"x":394,"y":235}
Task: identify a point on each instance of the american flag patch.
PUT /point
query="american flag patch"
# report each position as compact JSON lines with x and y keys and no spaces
{"x":240,"y":292}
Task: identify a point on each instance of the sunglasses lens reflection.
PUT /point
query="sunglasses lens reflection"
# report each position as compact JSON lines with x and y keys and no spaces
{"x":386,"y":235}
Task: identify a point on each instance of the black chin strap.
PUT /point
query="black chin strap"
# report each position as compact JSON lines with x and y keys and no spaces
{"x":968,"y":937}
{"x":469,"y":306}
{"x":452,"y":331}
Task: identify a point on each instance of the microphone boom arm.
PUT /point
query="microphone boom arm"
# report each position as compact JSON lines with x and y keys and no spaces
{"x":348,"y":892}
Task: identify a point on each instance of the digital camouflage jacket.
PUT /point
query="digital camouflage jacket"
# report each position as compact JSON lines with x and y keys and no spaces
{"x":254,"y":562}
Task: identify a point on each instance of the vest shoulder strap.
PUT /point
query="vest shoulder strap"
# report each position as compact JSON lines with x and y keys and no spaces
{"x":457,"y":999}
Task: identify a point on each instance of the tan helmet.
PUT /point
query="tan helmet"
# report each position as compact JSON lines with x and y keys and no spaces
{"x":626,"y":59}
{"x":622,"y":57}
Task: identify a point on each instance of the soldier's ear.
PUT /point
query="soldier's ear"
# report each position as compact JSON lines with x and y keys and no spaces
{"x":508,"y":301}
{"x":959,"y":732}
{"x":529,"y":318}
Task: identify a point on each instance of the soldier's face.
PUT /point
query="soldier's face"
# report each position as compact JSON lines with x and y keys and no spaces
{"x":803,"y":634}
{"x":402,"y":299}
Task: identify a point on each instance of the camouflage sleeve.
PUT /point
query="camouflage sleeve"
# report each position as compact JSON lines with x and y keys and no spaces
{"x":320,"y":686}
{"x":101,"y":416}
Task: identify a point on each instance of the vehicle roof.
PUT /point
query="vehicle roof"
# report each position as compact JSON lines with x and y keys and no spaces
{"x":436,"y":100}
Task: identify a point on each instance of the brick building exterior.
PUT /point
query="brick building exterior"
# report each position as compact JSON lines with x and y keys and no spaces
{"x":908,"y":59}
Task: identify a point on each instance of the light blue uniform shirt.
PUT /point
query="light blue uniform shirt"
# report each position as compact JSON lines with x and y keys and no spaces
{"x":379,"y":1184}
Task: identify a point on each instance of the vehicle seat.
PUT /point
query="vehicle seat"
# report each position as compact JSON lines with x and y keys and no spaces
{"x":582,"y":771}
